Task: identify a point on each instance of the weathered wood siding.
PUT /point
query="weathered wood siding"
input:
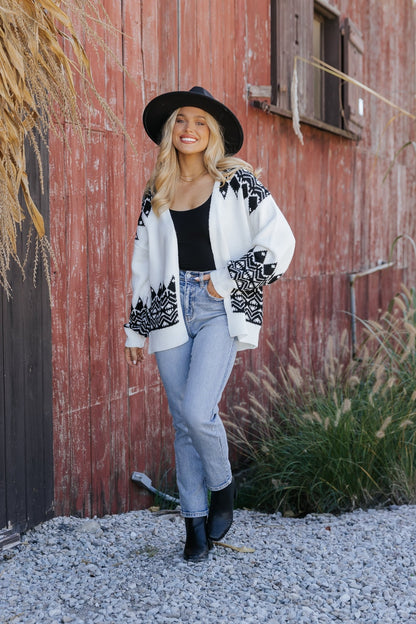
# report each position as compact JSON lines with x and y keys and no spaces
{"x":26,"y":440}
{"x":107,"y":421}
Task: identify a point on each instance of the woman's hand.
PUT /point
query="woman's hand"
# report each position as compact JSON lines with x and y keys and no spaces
{"x":212,"y":291}
{"x":133,"y":355}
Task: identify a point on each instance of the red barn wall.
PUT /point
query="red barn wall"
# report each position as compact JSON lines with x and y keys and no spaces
{"x":109,"y":421}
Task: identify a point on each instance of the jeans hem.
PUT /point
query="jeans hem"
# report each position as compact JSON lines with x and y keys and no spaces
{"x":222,"y":486}
{"x":194,"y":514}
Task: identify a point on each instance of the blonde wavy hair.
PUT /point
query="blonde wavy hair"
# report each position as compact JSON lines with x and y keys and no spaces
{"x":162,"y":182}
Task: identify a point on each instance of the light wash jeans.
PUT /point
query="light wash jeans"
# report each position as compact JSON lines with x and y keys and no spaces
{"x":194,"y":376}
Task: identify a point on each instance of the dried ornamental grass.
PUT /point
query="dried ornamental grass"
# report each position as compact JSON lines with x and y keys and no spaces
{"x":36,"y":91}
{"x":343,"y":439}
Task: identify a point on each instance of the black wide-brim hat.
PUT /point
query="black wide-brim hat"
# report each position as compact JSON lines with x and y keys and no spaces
{"x":161,"y":107}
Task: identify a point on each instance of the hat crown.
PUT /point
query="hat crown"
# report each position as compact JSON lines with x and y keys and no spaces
{"x":201,"y":91}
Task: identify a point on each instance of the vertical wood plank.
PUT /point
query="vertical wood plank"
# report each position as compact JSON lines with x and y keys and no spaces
{"x":3,"y":466}
{"x":98,"y":318}
{"x":60,"y":330}
{"x":119,"y":474}
{"x":187,"y":43}
{"x":78,"y":365}
{"x":168,"y":36}
{"x":14,"y":399}
{"x":36,"y":361}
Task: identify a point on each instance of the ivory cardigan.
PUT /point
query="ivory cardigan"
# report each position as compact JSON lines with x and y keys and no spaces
{"x":252,"y":245}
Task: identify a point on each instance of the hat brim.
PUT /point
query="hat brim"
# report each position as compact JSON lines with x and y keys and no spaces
{"x":161,"y":107}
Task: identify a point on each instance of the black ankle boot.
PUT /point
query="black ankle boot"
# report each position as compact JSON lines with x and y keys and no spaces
{"x":220,"y":517}
{"x":197,"y":544}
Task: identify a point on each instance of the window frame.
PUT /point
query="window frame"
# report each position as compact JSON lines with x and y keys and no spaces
{"x":292,"y":35}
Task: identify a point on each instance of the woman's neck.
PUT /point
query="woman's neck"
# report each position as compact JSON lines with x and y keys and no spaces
{"x":191,"y":167}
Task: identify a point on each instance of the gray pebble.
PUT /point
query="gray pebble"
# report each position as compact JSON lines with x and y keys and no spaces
{"x":355,"y":568}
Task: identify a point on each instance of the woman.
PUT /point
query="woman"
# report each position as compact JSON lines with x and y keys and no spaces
{"x":209,"y":237}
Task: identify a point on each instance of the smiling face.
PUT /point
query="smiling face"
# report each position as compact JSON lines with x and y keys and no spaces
{"x":190,"y":131}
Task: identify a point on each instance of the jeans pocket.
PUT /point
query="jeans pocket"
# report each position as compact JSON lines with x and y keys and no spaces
{"x":220,"y":299}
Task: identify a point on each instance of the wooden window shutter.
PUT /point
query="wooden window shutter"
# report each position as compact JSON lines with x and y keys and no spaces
{"x":353,"y":45}
{"x":291,"y":35}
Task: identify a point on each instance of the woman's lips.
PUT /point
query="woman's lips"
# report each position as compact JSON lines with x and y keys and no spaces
{"x":185,"y":139}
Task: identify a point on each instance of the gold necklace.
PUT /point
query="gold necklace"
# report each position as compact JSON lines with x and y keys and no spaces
{"x":189,"y":179}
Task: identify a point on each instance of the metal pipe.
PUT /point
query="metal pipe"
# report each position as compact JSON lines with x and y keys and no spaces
{"x":352,"y":277}
{"x":142,"y":479}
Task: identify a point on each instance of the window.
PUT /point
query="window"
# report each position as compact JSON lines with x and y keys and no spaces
{"x":310,"y":29}
{"x":326,"y":46}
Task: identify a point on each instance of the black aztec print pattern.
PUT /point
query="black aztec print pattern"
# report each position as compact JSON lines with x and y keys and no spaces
{"x":139,"y":318}
{"x":147,"y":203}
{"x":146,"y":208}
{"x":250,"y":274}
{"x":252,"y":189}
{"x":162,"y":311}
{"x":249,"y":303}
{"x":250,"y":271}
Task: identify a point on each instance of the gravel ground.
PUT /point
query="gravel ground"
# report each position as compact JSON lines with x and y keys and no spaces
{"x":358,"y":567}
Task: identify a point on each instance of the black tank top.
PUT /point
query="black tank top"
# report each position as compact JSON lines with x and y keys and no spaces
{"x":192,"y":232}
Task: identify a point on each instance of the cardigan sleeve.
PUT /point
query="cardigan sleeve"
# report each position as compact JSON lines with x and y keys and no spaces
{"x":272,"y":243}
{"x":137,"y":328}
